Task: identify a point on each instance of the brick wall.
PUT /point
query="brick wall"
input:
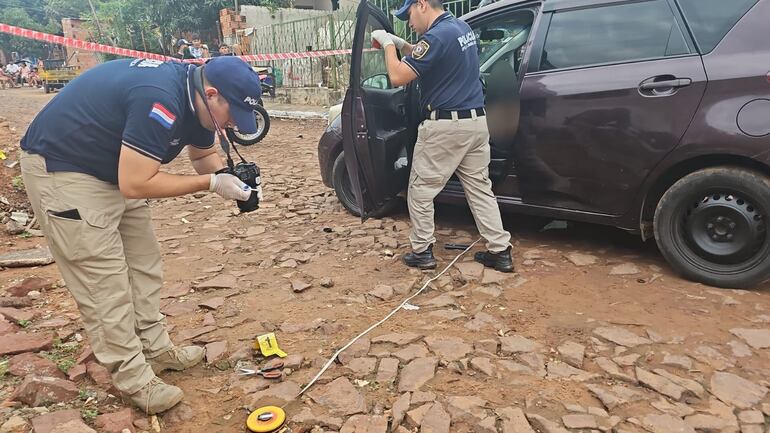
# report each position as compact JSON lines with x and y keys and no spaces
{"x":230,"y":22}
{"x":75,"y":28}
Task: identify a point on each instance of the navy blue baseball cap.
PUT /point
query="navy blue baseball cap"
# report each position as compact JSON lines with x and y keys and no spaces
{"x":239,"y":85}
{"x":403,"y":12}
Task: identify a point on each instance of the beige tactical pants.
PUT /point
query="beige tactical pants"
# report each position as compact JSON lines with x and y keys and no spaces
{"x":110,"y":260}
{"x":444,"y":147}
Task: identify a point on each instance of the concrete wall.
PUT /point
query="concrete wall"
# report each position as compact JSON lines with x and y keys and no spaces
{"x":312,"y":96}
{"x":260,"y":16}
{"x":75,"y":28}
{"x":323,"y":5}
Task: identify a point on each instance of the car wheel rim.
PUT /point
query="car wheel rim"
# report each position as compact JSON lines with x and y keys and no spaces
{"x":260,"y":128}
{"x":726,"y":230}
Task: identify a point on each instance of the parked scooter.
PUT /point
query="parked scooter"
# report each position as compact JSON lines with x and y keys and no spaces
{"x":263,"y":126}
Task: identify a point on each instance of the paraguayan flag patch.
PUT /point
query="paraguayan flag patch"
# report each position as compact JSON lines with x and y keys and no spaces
{"x":162,"y":115}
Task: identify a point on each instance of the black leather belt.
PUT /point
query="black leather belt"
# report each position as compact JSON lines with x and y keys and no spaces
{"x":461,"y":114}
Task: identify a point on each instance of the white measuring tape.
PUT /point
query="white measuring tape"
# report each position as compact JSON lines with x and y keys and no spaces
{"x":395,"y":310}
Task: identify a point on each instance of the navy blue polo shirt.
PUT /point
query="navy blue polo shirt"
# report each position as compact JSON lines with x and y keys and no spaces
{"x":446,"y":61}
{"x":143,"y":104}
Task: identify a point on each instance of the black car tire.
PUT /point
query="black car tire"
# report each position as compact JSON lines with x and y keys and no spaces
{"x":344,"y":190}
{"x":263,"y":126}
{"x":711,"y":227}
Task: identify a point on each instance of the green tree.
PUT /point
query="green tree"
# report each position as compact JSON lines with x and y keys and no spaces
{"x":20,"y":17}
{"x":58,"y":9}
{"x":138,"y":24}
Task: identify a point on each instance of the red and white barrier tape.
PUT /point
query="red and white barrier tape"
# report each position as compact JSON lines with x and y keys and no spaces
{"x":125,"y":52}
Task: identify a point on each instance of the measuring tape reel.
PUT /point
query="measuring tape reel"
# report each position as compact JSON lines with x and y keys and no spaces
{"x":268,"y":419}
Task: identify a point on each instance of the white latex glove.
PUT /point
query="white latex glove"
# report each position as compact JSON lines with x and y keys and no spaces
{"x":382,"y":39}
{"x":229,"y":187}
{"x":398,"y":41}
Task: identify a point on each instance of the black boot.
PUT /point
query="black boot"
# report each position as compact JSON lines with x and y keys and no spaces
{"x":423,"y":260}
{"x":500,"y":261}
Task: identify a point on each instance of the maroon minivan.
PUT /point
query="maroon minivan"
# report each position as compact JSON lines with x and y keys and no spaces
{"x":652,"y":116}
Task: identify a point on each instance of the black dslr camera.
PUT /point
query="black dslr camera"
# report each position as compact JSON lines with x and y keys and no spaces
{"x":248,"y":173}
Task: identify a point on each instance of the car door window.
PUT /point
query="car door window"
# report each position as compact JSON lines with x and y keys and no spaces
{"x":502,"y":40}
{"x":612,"y":34}
{"x":710,"y":20}
{"x":374,"y":74}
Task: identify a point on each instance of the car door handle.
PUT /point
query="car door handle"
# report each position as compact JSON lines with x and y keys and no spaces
{"x":667,"y":84}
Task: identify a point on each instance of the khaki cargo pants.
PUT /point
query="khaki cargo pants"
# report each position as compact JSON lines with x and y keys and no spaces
{"x":110,"y":260}
{"x":444,"y":147}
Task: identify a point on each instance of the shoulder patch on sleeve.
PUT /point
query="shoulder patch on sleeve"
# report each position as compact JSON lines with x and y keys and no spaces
{"x":162,"y":114}
{"x":420,"y":49}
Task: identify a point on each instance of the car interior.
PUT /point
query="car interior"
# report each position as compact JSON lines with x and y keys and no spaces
{"x":501,"y":43}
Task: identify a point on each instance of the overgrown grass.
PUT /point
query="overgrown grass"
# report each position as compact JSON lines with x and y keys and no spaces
{"x":89,"y":414}
{"x":62,"y":354}
{"x":65,"y":364}
{"x":18,"y":182}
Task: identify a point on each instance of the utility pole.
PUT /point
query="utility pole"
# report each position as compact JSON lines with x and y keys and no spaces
{"x":236,"y":7}
{"x":98,"y":25}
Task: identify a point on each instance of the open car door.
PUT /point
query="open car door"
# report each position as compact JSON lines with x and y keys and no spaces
{"x":376,"y":125}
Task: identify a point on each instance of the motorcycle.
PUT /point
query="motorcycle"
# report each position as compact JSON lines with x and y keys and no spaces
{"x":263,"y":126}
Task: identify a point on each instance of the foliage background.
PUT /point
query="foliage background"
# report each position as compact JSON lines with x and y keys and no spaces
{"x":138,"y":24}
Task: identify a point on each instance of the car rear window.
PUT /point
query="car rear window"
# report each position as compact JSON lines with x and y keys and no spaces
{"x":612,"y":34}
{"x":710,"y":20}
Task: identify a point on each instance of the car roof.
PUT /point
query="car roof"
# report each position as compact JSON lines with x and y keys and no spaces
{"x":549,"y":5}
{"x":501,"y":4}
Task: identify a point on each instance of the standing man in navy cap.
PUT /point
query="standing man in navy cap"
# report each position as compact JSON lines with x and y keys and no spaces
{"x":454,"y":136}
{"x":91,"y":159}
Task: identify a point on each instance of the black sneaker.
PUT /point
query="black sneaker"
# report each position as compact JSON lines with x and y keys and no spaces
{"x":423,"y":260}
{"x":500,"y":261}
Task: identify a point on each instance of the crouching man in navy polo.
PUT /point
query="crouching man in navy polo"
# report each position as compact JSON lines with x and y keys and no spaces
{"x":91,"y":159}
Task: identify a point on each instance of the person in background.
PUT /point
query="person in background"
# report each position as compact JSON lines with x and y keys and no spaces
{"x":6,"y":80}
{"x":24,"y":73}
{"x":198,"y":49}
{"x":34,"y":79}
{"x":224,"y":50}
{"x":12,"y":69}
{"x":183,"y":49}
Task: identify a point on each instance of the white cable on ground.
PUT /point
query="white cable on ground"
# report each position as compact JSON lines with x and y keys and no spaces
{"x":350,"y":343}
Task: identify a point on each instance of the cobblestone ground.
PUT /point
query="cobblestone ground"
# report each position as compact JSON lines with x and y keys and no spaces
{"x":593,"y":334}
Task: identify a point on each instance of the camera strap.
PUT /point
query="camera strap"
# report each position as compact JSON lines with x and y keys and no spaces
{"x":224,"y":142}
